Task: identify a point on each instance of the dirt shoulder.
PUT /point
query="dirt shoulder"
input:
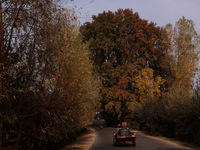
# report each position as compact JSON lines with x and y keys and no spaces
{"x":83,"y":142}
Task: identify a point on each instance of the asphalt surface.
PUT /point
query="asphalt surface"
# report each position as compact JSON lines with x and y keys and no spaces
{"x":104,"y":141}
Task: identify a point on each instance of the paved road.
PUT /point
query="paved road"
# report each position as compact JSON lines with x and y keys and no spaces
{"x":104,"y":139}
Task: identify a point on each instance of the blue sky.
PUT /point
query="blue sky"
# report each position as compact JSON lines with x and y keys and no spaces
{"x":159,"y":11}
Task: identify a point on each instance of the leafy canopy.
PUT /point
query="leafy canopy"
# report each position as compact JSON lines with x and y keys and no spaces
{"x":122,"y":44}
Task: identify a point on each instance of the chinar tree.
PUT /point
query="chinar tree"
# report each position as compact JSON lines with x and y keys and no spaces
{"x":122,"y":44}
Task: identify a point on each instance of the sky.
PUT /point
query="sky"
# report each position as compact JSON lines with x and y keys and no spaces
{"x":160,"y":12}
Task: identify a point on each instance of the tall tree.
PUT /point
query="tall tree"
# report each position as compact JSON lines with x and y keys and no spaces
{"x":49,"y":86}
{"x":25,"y":26}
{"x":1,"y":66}
{"x":182,"y":56}
{"x":122,"y":44}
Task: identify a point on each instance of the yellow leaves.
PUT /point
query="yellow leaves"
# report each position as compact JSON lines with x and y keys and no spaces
{"x":109,"y":107}
{"x":149,"y":88}
{"x":181,"y":55}
{"x":113,"y":107}
{"x":132,"y":105}
{"x":77,"y":84}
{"x":49,"y":83}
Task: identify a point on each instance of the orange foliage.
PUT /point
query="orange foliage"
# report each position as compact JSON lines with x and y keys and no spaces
{"x":122,"y":44}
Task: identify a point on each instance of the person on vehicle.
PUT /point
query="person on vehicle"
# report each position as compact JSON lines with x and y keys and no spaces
{"x":124,"y":131}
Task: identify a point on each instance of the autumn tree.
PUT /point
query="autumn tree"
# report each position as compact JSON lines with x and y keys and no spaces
{"x":1,"y":68}
{"x":182,"y":61}
{"x":122,"y":44}
{"x":177,"y":109}
{"x":148,"y":87}
{"x":151,"y":110}
{"x":50,"y":90}
{"x":26,"y":26}
{"x":182,"y":56}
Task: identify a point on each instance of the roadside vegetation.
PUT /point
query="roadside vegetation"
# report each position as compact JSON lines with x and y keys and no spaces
{"x":50,"y":90}
{"x":148,"y":73}
{"x":54,"y":74}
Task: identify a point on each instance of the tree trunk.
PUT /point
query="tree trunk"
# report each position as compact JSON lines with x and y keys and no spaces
{"x":1,"y":68}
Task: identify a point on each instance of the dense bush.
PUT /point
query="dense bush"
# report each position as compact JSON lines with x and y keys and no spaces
{"x":50,"y":90}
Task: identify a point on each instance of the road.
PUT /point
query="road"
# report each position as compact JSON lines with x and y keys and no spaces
{"x":104,"y":139}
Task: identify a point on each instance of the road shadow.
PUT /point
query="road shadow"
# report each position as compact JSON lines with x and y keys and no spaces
{"x":172,"y":149}
{"x":122,"y":144}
